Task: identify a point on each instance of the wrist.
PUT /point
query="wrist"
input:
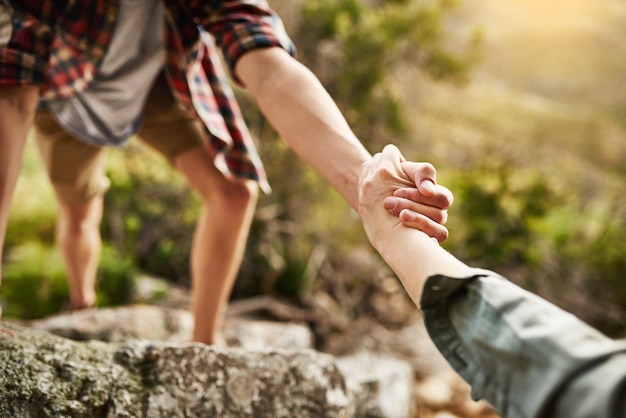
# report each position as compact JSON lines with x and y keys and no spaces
{"x":384,"y":236}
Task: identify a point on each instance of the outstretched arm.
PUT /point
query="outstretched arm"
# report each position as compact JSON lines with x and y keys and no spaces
{"x":306,"y":117}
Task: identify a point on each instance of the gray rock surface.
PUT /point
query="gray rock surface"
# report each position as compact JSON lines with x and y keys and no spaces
{"x":149,"y":322}
{"x":43,"y":375}
{"x":120,"y":324}
{"x":132,"y":375}
{"x":385,"y":383}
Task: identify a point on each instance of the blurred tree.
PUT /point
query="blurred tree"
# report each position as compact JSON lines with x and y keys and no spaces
{"x":355,"y":47}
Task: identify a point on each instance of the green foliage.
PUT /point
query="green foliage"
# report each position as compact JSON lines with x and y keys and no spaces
{"x":356,"y":46}
{"x":34,"y":283}
{"x":33,"y":211}
{"x":544,"y":235}
{"x":596,"y":251}
{"x":329,"y":15}
{"x":497,"y":208}
{"x":116,"y":278}
{"x":292,"y":279}
{"x":150,"y":212}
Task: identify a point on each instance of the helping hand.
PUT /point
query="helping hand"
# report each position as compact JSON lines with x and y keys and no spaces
{"x":423,"y":208}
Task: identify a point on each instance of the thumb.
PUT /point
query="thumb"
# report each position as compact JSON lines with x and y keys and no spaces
{"x":423,"y":175}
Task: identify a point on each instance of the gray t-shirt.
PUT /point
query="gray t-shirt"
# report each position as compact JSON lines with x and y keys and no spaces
{"x":110,"y":110}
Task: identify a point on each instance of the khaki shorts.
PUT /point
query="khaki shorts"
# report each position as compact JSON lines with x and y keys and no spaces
{"x":76,"y":169}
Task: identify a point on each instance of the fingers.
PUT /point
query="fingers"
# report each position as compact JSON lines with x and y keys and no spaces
{"x":423,"y":175}
{"x":441,"y":198}
{"x":409,"y":192}
{"x":425,"y":224}
{"x":395,"y":205}
{"x":428,"y":219}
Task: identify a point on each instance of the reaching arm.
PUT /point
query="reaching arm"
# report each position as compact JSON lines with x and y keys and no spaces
{"x":305,"y":116}
{"x":258,"y":52}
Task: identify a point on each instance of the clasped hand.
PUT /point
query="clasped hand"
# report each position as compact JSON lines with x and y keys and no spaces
{"x":393,"y":191}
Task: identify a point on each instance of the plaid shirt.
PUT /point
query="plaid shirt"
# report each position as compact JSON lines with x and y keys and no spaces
{"x":59,"y":44}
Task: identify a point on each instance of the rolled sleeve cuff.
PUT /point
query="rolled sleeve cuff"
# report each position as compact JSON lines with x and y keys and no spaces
{"x":515,"y":349}
{"x":438,"y":288}
{"x":242,"y":33}
{"x":24,"y":49}
{"x":18,"y":68}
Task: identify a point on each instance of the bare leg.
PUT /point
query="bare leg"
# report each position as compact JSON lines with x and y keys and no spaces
{"x":17,"y":110}
{"x":78,"y":236}
{"x":219,"y":240}
{"x":76,"y":172}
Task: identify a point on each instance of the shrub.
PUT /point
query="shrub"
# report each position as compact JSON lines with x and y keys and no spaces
{"x":149,"y":213}
{"x":34,"y":282}
{"x":116,"y":278}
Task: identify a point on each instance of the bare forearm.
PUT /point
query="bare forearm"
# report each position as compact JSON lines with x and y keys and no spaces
{"x":414,"y":256}
{"x":309,"y":121}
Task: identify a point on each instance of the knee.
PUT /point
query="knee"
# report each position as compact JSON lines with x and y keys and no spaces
{"x":233,"y":195}
{"x":214,"y":188}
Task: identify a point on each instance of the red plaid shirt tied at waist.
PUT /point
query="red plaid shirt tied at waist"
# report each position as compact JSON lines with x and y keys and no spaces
{"x":59,"y":44}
